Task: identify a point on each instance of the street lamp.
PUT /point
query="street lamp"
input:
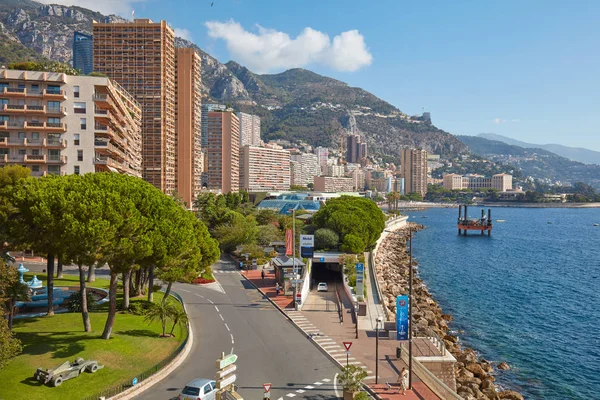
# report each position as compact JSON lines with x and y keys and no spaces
{"x":410,"y":303}
{"x":379,"y":320}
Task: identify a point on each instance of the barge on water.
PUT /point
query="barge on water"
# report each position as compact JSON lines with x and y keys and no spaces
{"x":484,"y":224}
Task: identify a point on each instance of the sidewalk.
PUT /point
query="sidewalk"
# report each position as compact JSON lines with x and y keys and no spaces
{"x":267,"y":287}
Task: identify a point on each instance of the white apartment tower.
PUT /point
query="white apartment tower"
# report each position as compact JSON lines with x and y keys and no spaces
{"x":249,"y":129}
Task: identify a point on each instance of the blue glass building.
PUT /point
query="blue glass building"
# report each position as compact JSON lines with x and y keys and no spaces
{"x":82,"y":52}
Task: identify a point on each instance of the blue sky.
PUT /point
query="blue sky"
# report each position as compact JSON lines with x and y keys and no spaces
{"x":525,"y":69}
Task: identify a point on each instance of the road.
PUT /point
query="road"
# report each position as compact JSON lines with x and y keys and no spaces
{"x":233,"y":316}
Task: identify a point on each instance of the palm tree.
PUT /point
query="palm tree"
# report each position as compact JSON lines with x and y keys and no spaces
{"x":162,"y":312}
{"x":179,"y":317}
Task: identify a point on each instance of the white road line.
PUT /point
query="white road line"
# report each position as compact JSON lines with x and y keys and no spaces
{"x":335,"y":386}
{"x":232,"y":342}
{"x":227,"y":326}
{"x":318,"y":383}
{"x":300,"y":391}
{"x":332,"y":346}
{"x":222,"y":319}
{"x":309,"y":387}
{"x":326,"y":380}
{"x":370,"y":377}
{"x":354,"y":362}
{"x":183,"y":290}
{"x":290,"y":395}
{"x":217,"y":308}
{"x":210,"y":301}
{"x":281,"y":398}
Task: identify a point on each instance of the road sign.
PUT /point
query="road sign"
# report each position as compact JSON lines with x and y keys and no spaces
{"x":224,"y":372}
{"x":298,"y":296}
{"x":134,"y":381}
{"x":254,"y":262}
{"x":226,"y":361}
{"x":307,"y":240}
{"x":322,"y":259}
{"x":347,"y":345}
{"x":267,"y":387}
{"x":296,"y":281}
{"x":222,"y":383}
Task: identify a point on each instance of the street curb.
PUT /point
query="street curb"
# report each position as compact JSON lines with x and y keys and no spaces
{"x":321,"y":349}
{"x":163,"y":373}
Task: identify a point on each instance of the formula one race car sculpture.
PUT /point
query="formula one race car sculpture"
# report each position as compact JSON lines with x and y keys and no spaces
{"x":55,"y":377}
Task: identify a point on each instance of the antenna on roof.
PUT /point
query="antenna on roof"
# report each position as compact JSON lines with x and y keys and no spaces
{"x":132,"y":14}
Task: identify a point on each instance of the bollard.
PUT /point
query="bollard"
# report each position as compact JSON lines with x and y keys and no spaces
{"x":398,"y":353}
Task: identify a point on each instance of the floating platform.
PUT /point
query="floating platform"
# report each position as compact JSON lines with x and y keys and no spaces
{"x":484,"y":224}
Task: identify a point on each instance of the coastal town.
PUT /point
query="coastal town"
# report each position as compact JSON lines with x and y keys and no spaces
{"x":174,"y":227}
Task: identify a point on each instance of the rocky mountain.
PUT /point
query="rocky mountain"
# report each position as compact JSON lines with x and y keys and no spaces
{"x":537,"y":163}
{"x":585,"y":156}
{"x":297,"y":105}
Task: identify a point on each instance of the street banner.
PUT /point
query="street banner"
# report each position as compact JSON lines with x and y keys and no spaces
{"x":289,"y":242}
{"x":402,"y":318}
{"x":360,"y":279}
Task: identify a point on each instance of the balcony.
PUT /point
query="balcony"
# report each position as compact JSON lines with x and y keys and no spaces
{"x":55,"y":127}
{"x":102,"y":117}
{"x":34,"y":142}
{"x":6,"y":159}
{"x":56,"y":159}
{"x":3,"y":124}
{"x":14,"y":92}
{"x":5,"y":142}
{"x":34,"y":159}
{"x":55,"y":143}
{"x":102,"y":101}
{"x":61,"y":111}
{"x":59,"y":127}
{"x":51,"y":94}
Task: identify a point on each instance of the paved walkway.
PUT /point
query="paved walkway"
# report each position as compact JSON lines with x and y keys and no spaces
{"x":329,"y":333}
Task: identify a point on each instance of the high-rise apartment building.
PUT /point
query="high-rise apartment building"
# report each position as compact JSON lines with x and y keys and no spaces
{"x":59,"y":124}
{"x":306,"y":167}
{"x":249,"y":129}
{"x":330,"y":184}
{"x":223,"y":151}
{"x":356,"y":149}
{"x":263,"y":169}
{"x":206,"y":108}
{"x":322,"y":156}
{"x":140,"y":55}
{"x":82,"y":52}
{"x":190,"y":159}
{"x":414,"y":170}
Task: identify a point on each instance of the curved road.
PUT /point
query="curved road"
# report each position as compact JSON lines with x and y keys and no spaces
{"x":234,"y":315}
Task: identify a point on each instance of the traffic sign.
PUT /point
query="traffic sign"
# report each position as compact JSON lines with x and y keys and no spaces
{"x":296,"y":281}
{"x":226,"y":361}
{"x":224,"y":372}
{"x":226,"y":382}
{"x":267,"y":387}
{"x":347,"y":345}
{"x":134,"y":381}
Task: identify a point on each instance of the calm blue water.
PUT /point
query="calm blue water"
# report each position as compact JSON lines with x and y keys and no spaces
{"x":528,"y":295}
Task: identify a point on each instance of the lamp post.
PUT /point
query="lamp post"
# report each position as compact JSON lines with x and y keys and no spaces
{"x":379,"y":319}
{"x":294,"y":258}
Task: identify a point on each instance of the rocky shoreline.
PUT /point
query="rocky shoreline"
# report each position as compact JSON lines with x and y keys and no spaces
{"x":475,"y":376}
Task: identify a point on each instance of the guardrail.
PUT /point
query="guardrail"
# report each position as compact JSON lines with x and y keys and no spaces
{"x":123,"y":386}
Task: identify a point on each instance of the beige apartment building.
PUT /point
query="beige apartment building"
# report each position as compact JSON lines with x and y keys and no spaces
{"x":263,"y":169}
{"x":190,"y":159}
{"x":60,"y":124}
{"x":499,"y":182}
{"x":140,"y":55}
{"x":330,"y":184}
{"x":223,"y":151}
{"x":414,"y":170}
{"x":249,"y":129}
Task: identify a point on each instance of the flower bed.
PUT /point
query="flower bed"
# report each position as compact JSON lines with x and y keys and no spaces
{"x":202,"y":281}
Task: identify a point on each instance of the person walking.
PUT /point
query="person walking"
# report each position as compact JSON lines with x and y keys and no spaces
{"x":277,"y":288}
{"x":262,"y":274}
{"x":403,"y":380}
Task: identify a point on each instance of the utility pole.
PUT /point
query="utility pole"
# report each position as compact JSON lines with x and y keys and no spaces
{"x":294,"y":257}
{"x":410,"y":304}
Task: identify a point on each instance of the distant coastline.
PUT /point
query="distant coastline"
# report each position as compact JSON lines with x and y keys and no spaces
{"x":539,"y":205}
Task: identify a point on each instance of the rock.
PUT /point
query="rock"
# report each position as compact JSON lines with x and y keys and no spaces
{"x":491,"y":393}
{"x":487,"y":367}
{"x":510,"y":395}
{"x":477,"y":370}
{"x":468,"y":356}
{"x":487,"y":383}
{"x":451,"y":338}
{"x":503,"y":366}
{"x":466,"y":373}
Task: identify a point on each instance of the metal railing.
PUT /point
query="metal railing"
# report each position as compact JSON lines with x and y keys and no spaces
{"x":123,"y":386}
{"x":340,"y":307}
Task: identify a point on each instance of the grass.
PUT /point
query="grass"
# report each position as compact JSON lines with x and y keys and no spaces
{"x":134,"y":347}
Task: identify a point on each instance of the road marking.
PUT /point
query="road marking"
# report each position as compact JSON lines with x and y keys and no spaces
{"x":222,"y":319}
{"x":183,"y":290}
{"x":300,"y":391}
{"x":335,"y":386}
{"x":318,"y":383}
{"x":370,"y":377}
{"x":210,"y":301}
{"x":217,"y":308}
{"x":232,"y":342}
{"x":309,"y":387}
{"x":331,"y":346}
{"x":227,"y":326}
{"x":281,"y":398}
{"x":326,"y":380}
{"x":290,"y":395}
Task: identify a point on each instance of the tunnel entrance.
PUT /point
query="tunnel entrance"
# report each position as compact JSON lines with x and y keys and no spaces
{"x":323,"y":272}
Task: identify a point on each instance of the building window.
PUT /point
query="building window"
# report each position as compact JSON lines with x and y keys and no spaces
{"x":76,"y":91}
{"x":3,"y":102}
{"x":35,"y":135}
{"x":76,"y":139}
{"x":54,"y":169}
{"x":35,"y":89}
{"x":54,"y":106}
{"x":22,"y":152}
{"x":35,"y":168}
{"x":79,"y":107}
{"x":76,"y":169}
{"x":79,"y":155}
{"x":22,"y":135}
{"x":83,"y":123}
{"x":3,"y":118}
{"x":35,"y":152}
{"x":53,"y":89}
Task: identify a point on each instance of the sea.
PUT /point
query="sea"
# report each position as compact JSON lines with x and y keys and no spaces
{"x":528,"y":295}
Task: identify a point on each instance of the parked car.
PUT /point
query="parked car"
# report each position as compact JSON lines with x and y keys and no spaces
{"x":322,"y":287}
{"x":67,"y":370}
{"x":199,"y":389}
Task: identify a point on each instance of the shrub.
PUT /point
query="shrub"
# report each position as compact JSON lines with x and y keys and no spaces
{"x":326,"y":239}
{"x":139,"y":307}
{"x":75,"y":301}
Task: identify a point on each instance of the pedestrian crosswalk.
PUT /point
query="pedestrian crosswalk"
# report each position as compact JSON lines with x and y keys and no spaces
{"x":323,"y":384}
{"x":334,"y":349}
{"x":226,"y":271}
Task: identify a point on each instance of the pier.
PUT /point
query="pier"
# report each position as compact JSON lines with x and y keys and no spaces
{"x":484,"y":224}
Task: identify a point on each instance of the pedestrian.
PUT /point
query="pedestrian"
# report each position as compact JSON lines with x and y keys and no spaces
{"x":403,"y":380}
{"x":277,"y":288}
{"x":262,"y":274}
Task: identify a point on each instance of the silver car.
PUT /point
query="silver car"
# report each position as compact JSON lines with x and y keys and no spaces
{"x":199,"y":389}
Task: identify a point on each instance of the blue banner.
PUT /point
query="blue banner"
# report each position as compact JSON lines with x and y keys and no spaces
{"x":402,"y":318}
{"x":307,"y":252}
{"x":360,"y":272}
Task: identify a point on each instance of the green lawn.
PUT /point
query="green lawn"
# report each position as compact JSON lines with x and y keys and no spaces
{"x":134,"y":347}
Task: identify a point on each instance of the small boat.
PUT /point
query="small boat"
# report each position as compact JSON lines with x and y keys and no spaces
{"x":549,"y":222}
{"x":596,"y":224}
{"x":500,"y":220}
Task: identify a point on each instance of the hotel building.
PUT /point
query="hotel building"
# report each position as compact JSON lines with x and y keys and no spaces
{"x":55,"y":123}
{"x":499,"y":182}
{"x":263,"y":169}
{"x":223,"y":151}
{"x":140,"y":55}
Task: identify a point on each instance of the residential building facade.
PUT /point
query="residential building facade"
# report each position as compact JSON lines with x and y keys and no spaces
{"x":190,"y":160}
{"x":58,"y":124}
{"x":223,"y":151}
{"x":83,"y":52}
{"x":305,"y":168}
{"x":140,"y":55}
{"x":206,"y":108}
{"x":322,"y":154}
{"x":249,"y":129}
{"x":414,"y":170}
{"x":263,"y":169}
{"x":499,"y":182}
{"x":330,"y":184}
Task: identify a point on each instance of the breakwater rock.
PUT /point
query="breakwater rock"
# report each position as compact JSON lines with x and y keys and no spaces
{"x":474,"y":374}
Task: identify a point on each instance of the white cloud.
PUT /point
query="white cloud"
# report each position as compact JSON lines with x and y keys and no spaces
{"x":118,"y":7}
{"x":183,"y":33}
{"x":498,"y":121}
{"x":269,"y":49}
